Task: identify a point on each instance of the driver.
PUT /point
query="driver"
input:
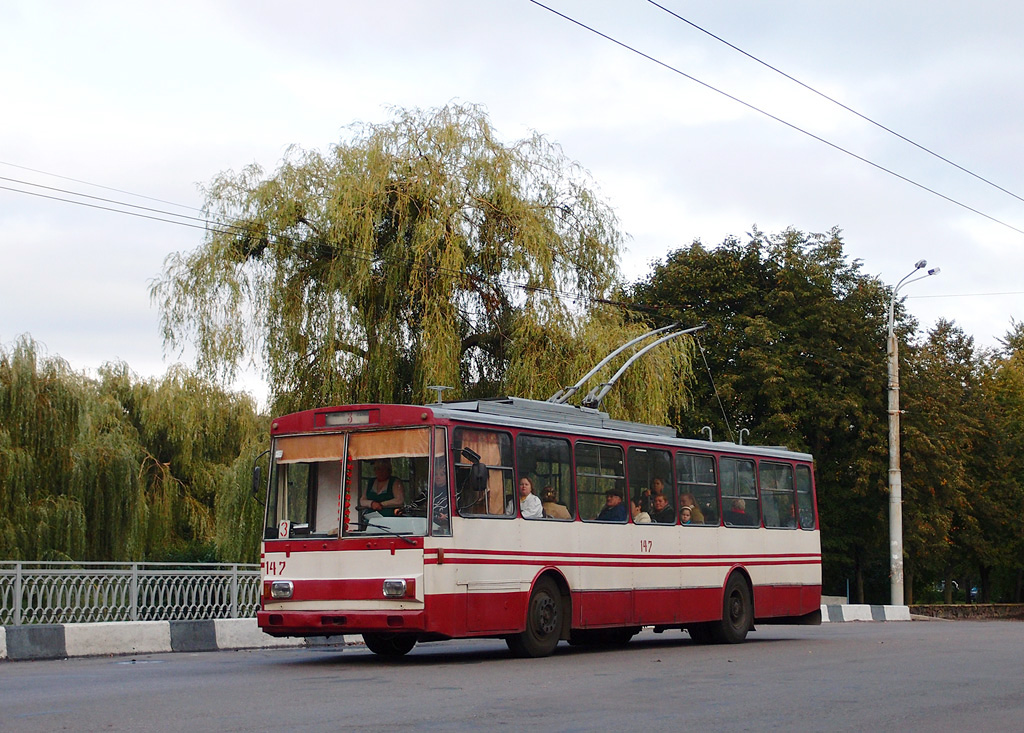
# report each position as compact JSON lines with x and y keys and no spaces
{"x":384,"y":493}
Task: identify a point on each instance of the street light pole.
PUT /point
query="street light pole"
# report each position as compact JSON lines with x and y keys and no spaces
{"x":895,"y":475}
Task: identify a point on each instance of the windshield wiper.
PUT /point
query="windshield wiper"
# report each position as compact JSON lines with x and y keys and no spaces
{"x":391,"y":532}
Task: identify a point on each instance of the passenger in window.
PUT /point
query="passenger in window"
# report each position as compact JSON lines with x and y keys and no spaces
{"x":529,"y":503}
{"x":687,"y":500}
{"x":686,"y":515}
{"x":552,"y":508}
{"x":384,"y":492}
{"x":646,"y":497}
{"x":662,"y":512}
{"x":614,"y":510}
{"x":639,"y":515}
{"x":737,"y":514}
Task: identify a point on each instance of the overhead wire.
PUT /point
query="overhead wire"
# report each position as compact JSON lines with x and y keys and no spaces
{"x":821,"y":94}
{"x":100,"y":198}
{"x":769,"y":115}
{"x":721,"y":405}
{"x":102,"y":208}
{"x":97,"y":185}
{"x":205,"y":224}
{"x":217,"y":227}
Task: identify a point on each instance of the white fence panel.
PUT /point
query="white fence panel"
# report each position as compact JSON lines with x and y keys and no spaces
{"x":69,"y":592}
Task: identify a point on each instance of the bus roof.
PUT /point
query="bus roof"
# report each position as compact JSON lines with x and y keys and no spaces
{"x":512,"y":412}
{"x":536,"y":414}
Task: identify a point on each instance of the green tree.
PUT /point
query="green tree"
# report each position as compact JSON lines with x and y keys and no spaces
{"x":998,"y":461}
{"x":963,"y":489}
{"x":41,"y":406}
{"x":121,"y":468}
{"x":795,"y":344}
{"x":420,"y":251}
{"x":194,"y":442}
{"x":941,"y":398}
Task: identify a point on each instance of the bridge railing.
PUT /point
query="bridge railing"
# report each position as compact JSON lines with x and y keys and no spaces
{"x":76,"y":592}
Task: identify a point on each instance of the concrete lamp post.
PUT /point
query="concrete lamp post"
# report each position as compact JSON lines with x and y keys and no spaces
{"x":895,"y":477}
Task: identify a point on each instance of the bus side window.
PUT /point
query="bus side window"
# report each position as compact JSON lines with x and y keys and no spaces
{"x":440,"y":511}
{"x":547,"y":462}
{"x":777,"y":497}
{"x":739,"y":493}
{"x":650,"y":474}
{"x":698,"y":487}
{"x":492,"y":450}
{"x":804,"y":497}
{"x":600,"y":473}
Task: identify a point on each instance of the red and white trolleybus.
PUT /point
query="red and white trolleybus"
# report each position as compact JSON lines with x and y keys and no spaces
{"x":413,"y":523}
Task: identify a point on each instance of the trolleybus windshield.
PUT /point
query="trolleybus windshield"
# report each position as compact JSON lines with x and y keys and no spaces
{"x":358,"y":483}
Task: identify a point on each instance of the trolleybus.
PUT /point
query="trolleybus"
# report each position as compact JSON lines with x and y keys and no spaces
{"x":413,"y":523}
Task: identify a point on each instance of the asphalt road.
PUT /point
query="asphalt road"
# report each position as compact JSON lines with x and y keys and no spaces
{"x":921,"y":675}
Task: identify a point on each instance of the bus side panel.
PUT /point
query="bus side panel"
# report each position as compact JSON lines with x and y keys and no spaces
{"x":786,"y":600}
{"x":602,"y":608}
{"x":487,"y":611}
{"x":492,"y":585}
{"x":792,"y":585}
{"x":666,"y":608}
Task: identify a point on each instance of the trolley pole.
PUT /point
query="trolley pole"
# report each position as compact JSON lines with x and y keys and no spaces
{"x":897,"y":597}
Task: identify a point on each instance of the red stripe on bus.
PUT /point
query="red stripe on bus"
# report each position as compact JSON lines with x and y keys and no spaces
{"x":617,"y":563}
{"x":604,"y":555}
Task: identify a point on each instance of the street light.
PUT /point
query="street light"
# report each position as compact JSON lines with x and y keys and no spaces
{"x":895,"y":477}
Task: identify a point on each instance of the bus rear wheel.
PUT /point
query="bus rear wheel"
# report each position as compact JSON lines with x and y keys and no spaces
{"x":388,"y":644}
{"x":543,"y":622}
{"x":737,"y":612}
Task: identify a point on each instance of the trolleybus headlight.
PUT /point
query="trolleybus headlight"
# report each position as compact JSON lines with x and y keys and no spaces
{"x":281,"y":589}
{"x":394,"y":588}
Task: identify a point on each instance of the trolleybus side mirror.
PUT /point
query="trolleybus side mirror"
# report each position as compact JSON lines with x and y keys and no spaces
{"x":478,"y":473}
{"x":257,"y":474}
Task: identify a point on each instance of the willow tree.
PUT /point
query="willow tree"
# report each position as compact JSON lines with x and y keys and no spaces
{"x":419,"y":251}
{"x":121,"y":468}
{"x":41,"y":404}
{"x":193,"y":441}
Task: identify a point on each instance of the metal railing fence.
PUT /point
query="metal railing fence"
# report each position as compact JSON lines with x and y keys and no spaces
{"x":76,"y":592}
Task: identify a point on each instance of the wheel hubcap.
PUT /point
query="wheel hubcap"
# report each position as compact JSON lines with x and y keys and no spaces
{"x":735,"y":609}
{"x":546,"y":615}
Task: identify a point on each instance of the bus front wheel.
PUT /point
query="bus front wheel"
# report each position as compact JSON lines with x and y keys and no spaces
{"x":543,"y":622}
{"x":737,"y":612}
{"x":390,"y":645}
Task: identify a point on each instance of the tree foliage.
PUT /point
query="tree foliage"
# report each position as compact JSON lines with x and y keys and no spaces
{"x":941,"y":400}
{"x":964,"y":478}
{"x":420,"y":251}
{"x":120,"y":468}
{"x":795,"y":346}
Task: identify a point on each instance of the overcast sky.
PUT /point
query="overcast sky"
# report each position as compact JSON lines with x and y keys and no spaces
{"x":156,"y":99}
